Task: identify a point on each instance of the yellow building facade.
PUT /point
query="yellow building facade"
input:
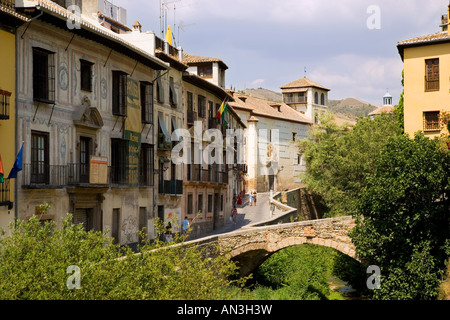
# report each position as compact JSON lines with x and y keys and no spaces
{"x":8,"y":19}
{"x":426,"y":82}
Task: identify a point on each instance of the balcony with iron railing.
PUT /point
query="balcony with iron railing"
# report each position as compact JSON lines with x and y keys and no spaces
{"x":42,"y":175}
{"x":5,"y":97}
{"x":171,"y":187}
{"x":5,"y":194}
{"x":196,"y":174}
{"x":191,"y":117}
{"x":160,"y":44}
{"x":295,"y":99}
{"x":213,"y":123}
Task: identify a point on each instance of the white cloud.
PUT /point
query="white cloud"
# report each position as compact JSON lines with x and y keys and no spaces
{"x":257,"y":83}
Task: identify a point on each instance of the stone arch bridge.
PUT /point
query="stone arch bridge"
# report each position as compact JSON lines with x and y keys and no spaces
{"x":252,"y":245}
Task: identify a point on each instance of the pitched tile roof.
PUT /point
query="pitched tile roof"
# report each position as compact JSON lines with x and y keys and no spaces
{"x":438,"y":36}
{"x":382,"y":109}
{"x":434,"y":38}
{"x":192,"y":59}
{"x":265,"y":108}
{"x":303,"y":83}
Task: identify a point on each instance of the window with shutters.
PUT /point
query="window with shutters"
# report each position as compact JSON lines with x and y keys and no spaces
{"x":115,"y":229}
{"x":147,"y":102}
{"x":119,"y":92}
{"x":431,"y":121}
{"x":432,"y":75}
{"x":201,"y":106}
{"x":205,"y":71}
{"x":86,"y":75}
{"x":200,"y":203}
{"x":39,"y":158}
{"x":173,"y":98}
{"x":146,"y":166}
{"x":210,"y":202}
{"x":43,"y":76}
{"x":5,"y":97}
{"x":119,"y":167}
{"x":190,"y":204}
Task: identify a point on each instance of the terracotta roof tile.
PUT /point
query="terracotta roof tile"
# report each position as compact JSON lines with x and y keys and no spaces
{"x":438,"y":36}
{"x":303,"y":83}
{"x":190,"y":59}
{"x":383,"y":109}
{"x":265,"y":108}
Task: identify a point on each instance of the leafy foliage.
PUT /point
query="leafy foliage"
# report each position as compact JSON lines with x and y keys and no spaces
{"x":400,"y":108}
{"x":303,"y":272}
{"x":338,"y":159}
{"x":34,"y":260}
{"x":403,"y":217}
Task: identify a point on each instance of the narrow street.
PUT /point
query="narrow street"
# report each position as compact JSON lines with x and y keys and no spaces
{"x":247,"y":215}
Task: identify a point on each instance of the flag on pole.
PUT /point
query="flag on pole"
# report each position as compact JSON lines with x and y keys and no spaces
{"x":1,"y":171}
{"x":222,"y":111}
{"x":169,"y":35}
{"x":17,"y":165}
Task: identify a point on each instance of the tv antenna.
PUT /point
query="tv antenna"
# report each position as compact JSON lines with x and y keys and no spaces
{"x":163,"y":11}
{"x":181,"y":27}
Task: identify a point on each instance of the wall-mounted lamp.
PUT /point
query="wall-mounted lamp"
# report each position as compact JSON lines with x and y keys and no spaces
{"x":166,"y":165}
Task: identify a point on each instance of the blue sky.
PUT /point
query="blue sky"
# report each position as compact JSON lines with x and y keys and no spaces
{"x":268,"y":43}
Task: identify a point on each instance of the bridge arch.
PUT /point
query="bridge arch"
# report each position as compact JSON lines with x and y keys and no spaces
{"x":250,"y":256}
{"x":251,"y":246}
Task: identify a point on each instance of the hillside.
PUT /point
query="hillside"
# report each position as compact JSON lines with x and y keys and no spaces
{"x":264,"y":94}
{"x":351,"y":107}
{"x":346,"y":110}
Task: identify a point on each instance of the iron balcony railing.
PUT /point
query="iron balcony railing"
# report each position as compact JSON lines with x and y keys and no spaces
{"x":191,"y":117}
{"x":118,"y":175}
{"x":146,"y":176}
{"x":44,"y":175}
{"x":5,"y":193}
{"x":196,"y":174}
{"x":213,"y":123}
{"x":171,"y":187}
{"x":289,"y":100}
{"x":78,"y":173}
{"x":5,"y":97}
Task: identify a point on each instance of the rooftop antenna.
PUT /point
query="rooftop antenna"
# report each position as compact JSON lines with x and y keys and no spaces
{"x":164,"y":8}
{"x":181,"y":27}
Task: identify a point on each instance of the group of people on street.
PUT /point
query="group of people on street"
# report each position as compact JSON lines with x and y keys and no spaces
{"x":185,"y":225}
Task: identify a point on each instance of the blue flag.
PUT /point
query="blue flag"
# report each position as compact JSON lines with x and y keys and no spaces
{"x":17,"y":165}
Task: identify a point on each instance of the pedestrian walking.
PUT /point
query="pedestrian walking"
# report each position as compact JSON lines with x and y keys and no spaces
{"x":254,"y":197}
{"x":185,"y":225}
{"x":234,"y":215}
{"x":250,"y":198}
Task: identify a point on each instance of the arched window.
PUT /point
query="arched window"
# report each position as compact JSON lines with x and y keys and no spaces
{"x":316,"y":98}
{"x":322,"y":99}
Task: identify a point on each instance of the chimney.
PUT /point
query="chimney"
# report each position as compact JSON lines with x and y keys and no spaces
{"x":137,"y":27}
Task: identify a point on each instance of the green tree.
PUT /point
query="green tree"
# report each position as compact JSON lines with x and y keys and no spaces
{"x":402,"y":217}
{"x":35,"y":257}
{"x":338,"y":159}
{"x":400,"y":108}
